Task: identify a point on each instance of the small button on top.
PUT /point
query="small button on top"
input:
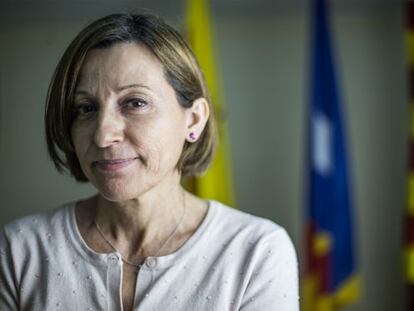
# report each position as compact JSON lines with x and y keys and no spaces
{"x":150,"y":262}
{"x":113,"y":259}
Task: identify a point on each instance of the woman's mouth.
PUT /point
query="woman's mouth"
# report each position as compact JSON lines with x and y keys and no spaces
{"x":114,"y":164}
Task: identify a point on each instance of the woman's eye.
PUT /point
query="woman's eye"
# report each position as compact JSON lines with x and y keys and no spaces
{"x":85,"y":109}
{"x":135,"y":103}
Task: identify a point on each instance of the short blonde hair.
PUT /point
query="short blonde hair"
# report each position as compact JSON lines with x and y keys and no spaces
{"x":180,"y":68}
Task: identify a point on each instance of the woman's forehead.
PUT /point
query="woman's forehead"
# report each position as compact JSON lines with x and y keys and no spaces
{"x":120,"y":65}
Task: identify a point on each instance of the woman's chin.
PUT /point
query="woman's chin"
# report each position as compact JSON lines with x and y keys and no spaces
{"x":118,"y":193}
{"x":124,"y":189}
{"x":116,"y":197}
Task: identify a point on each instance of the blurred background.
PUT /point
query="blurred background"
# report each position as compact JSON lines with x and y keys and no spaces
{"x":263,"y":58}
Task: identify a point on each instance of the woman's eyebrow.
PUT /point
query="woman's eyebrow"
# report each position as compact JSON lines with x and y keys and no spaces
{"x":82,"y":92}
{"x":134,"y":85}
{"x":118,"y":89}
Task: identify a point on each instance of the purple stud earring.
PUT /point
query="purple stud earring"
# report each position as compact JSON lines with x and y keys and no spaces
{"x":192,"y":136}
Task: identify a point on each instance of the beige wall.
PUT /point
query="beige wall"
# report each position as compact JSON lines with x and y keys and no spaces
{"x":263,"y":57}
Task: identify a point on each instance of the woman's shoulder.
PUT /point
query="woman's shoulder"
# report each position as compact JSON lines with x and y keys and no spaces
{"x":244,"y":226}
{"x":250,"y":240}
{"x":229,"y":216}
{"x":33,"y":225}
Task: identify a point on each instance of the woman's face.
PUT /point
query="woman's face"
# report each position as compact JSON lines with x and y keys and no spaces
{"x":130,"y":129}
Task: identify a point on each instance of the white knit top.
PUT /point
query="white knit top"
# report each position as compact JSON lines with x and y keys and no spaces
{"x":234,"y":261}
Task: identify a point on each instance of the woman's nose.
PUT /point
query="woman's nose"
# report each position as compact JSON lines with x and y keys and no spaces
{"x":109,"y":128}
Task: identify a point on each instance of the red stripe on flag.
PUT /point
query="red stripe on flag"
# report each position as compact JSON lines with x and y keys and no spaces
{"x":409,"y":230}
{"x":411,"y":158}
{"x":324,"y":273}
{"x":411,"y":82}
{"x":410,"y":14}
{"x":310,"y":258}
{"x":410,"y":296}
{"x":316,"y":265}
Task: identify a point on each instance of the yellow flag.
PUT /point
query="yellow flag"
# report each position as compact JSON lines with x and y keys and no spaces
{"x":217,"y":182}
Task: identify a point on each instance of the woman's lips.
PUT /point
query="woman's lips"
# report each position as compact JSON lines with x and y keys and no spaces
{"x":114,"y":165}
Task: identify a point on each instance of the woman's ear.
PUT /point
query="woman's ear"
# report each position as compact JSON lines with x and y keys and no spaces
{"x":197,"y":117}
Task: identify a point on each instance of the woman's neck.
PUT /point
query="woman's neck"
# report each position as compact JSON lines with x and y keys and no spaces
{"x":143,"y":224}
{"x":138,"y":228}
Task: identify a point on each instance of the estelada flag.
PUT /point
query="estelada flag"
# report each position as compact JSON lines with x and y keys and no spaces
{"x":330,"y":278}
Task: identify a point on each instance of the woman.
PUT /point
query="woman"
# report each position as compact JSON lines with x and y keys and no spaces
{"x":128,"y":110}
